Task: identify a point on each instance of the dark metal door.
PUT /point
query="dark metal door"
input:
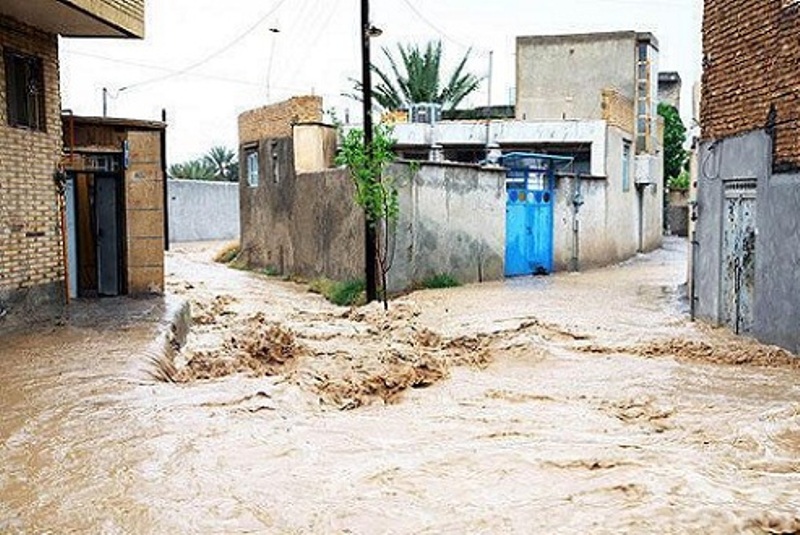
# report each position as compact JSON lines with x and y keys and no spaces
{"x":108,"y":242}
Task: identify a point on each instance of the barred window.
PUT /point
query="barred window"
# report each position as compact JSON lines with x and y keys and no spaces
{"x":25,"y":90}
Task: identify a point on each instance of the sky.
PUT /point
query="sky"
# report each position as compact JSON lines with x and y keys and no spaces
{"x":207,"y":61}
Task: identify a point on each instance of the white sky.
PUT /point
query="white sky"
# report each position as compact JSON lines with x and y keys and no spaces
{"x":317,"y":50}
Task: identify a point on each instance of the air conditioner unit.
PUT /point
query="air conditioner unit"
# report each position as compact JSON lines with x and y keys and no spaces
{"x":426,"y":112}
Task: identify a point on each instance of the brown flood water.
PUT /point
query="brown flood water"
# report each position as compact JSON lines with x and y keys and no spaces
{"x":567,"y":404}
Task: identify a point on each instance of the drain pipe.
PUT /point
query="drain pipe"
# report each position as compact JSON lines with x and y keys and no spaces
{"x":694,"y":244}
{"x":577,"y":202}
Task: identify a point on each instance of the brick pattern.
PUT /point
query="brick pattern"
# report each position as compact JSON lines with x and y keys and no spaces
{"x":30,"y":220}
{"x":128,"y":14}
{"x":276,"y":120}
{"x":752,"y":62}
{"x":618,"y":110}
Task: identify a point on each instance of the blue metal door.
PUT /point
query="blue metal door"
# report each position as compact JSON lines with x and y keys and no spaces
{"x":529,"y":214}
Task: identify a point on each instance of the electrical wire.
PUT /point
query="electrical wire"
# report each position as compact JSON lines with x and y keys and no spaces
{"x":213,"y":55}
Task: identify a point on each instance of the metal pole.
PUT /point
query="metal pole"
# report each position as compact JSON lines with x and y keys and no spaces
{"x":105,"y":102}
{"x":491,"y":68}
{"x":370,"y":241}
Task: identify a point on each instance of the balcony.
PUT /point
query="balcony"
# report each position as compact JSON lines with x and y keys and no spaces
{"x":80,"y":18}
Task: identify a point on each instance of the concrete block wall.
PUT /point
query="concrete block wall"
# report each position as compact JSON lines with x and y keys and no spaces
{"x":276,"y":120}
{"x":751,"y":55}
{"x":144,"y":192}
{"x":31,"y":263}
{"x":203,"y":211}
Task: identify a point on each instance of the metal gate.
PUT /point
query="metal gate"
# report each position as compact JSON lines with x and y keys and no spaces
{"x":530,"y":183}
{"x":739,"y":255}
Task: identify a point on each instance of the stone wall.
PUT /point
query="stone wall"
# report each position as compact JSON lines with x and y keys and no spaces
{"x":276,"y":120}
{"x":751,"y":52}
{"x":31,"y":263}
{"x":202,"y":211}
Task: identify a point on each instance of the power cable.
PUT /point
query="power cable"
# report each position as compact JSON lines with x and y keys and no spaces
{"x":213,"y":55}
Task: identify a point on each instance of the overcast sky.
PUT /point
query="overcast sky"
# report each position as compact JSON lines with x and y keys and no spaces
{"x":206,"y":61}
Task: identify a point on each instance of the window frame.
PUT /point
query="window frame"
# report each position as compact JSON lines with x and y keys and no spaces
{"x":252,"y":171}
{"x":627,"y":164}
{"x":27,"y":110}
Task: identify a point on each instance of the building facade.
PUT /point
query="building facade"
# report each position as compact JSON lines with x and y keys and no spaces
{"x":747,"y":232}
{"x":32,"y":252}
{"x":593,"y":99}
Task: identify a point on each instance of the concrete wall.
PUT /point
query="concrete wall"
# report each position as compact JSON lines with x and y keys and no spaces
{"x":508,"y":133}
{"x":31,"y":263}
{"x":746,"y":156}
{"x":306,"y":224}
{"x":777,"y":303}
{"x":609,"y":219}
{"x":562,"y":77}
{"x":201,"y":211}
{"x":452,"y":221}
{"x":314,"y":147}
{"x":776,"y":310}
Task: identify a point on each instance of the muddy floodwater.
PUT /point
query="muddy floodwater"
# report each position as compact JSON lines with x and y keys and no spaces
{"x":569,"y":404}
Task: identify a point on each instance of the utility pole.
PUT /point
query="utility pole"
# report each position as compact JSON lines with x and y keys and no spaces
{"x":105,"y":102}
{"x":370,"y":236}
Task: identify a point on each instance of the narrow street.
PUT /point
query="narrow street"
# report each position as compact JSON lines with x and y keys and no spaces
{"x":573,"y":403}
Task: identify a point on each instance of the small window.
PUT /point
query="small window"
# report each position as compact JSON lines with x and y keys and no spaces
{"x":626,"y":166}
{"x":276,"y":166}
{"x":25,"y":90}
{"x":252,"y":168}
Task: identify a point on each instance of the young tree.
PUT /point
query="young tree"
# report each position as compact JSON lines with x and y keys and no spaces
{"x":675,"y":155}
{"x":417,"y":77}
{"x":376,"y":193}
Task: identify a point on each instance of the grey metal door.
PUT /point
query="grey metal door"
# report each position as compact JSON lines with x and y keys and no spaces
{"x":739,"y":255}
{"x":108,"y":249}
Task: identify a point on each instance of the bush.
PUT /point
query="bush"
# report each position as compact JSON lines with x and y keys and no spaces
{"x":441,"y":280}
{"x":680,"y":182}
{"x":346,"y":293}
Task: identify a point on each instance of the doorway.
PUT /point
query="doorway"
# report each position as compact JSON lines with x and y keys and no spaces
{"x":95,"y":234}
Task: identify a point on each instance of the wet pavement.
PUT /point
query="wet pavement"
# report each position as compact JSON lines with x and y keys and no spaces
{"x":570,"y":423}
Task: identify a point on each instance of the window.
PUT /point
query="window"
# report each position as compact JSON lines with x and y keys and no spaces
{"x":626,"y":166}
{"x":25,"y":90}
{"x":276,"y":169}
{"x":252,"y":168}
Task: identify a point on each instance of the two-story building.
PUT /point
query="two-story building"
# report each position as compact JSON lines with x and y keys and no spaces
{"x":747,"y":252}
{"x":32,"y":208}
{"x":591,"y":98}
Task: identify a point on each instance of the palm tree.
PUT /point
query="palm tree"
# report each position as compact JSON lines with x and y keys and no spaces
{"x":223,"y":161}
{"x":417,"y":78}
{"x":192,"y":170}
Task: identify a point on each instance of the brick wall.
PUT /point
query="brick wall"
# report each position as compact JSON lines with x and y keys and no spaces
{"x":30,"y":237}
{"x":618,"y":110}
{"x":276,"y":120}
{"x":752,"y":62}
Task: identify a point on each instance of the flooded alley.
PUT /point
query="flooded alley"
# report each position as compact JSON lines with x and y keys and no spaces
{"x":573,"y":403}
